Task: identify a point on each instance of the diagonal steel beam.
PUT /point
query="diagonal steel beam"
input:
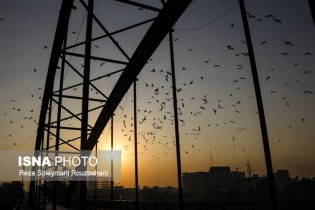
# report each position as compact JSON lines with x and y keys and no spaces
{"x":105,"y":30}
{"x":96,"y":58}
{"x":152,"y":39}
{"x":161,"y":26}
{"x":312,"y":8}
{"x":112,"y":33}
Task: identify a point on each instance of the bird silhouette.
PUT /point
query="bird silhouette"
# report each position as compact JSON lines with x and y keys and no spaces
{"x":285,"y":53}
{"x":276,"y":20}
{"x":229,"y":47}
{"x":308,"y":92}
{"x":288,"y":43}
{"x":269,"y":16}
{"x":263,"y":42}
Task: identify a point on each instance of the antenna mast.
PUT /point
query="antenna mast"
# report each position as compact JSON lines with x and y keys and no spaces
{"x":211,"y":158}
{"x":248,"y":168}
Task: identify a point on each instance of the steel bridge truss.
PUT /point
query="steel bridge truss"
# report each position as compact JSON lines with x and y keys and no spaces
{"x":76,"y":91}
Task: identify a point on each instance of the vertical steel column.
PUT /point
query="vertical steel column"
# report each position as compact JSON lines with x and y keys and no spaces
{"x":47,"y":146}
{"x":136,"y":143}
{"x":55,"y":53}
{"x":85,"y":94}
{"x":312,"y":8}
{"x":179,"y":167}
{"x":40,"y":179}
{"x":59,"y":110}
{"x":36,"y":189}
{"x":263,"y":126}
{"x":95,"y":183}
{"x":111,"y":164}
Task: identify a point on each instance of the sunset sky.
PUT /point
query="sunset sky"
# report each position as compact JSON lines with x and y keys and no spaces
{"x":218,"y":112}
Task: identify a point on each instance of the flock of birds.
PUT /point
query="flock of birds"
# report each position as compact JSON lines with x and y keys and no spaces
{"x":156,"y":117}
{"x":157,"y":113}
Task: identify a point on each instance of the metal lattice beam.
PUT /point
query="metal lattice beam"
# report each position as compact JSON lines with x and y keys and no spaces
{"x":160,"y":27}
{"x":154,"y":36}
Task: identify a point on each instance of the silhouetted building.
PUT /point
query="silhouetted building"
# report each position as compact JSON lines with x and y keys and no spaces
{"x":220,"y":184}
{"x":218,"y":178}
{"x":282,"y":178}
{"x":101,"y":183}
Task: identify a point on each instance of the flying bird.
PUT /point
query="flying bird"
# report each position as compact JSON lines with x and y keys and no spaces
{"x":288,"y":43}
{"x":308,"y":92}
{"x":277,"y":20}
{"x":285,"y":53}
{"x":262,"y":43}
{"x":229,"y":47}
{"x":269,"y":16}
